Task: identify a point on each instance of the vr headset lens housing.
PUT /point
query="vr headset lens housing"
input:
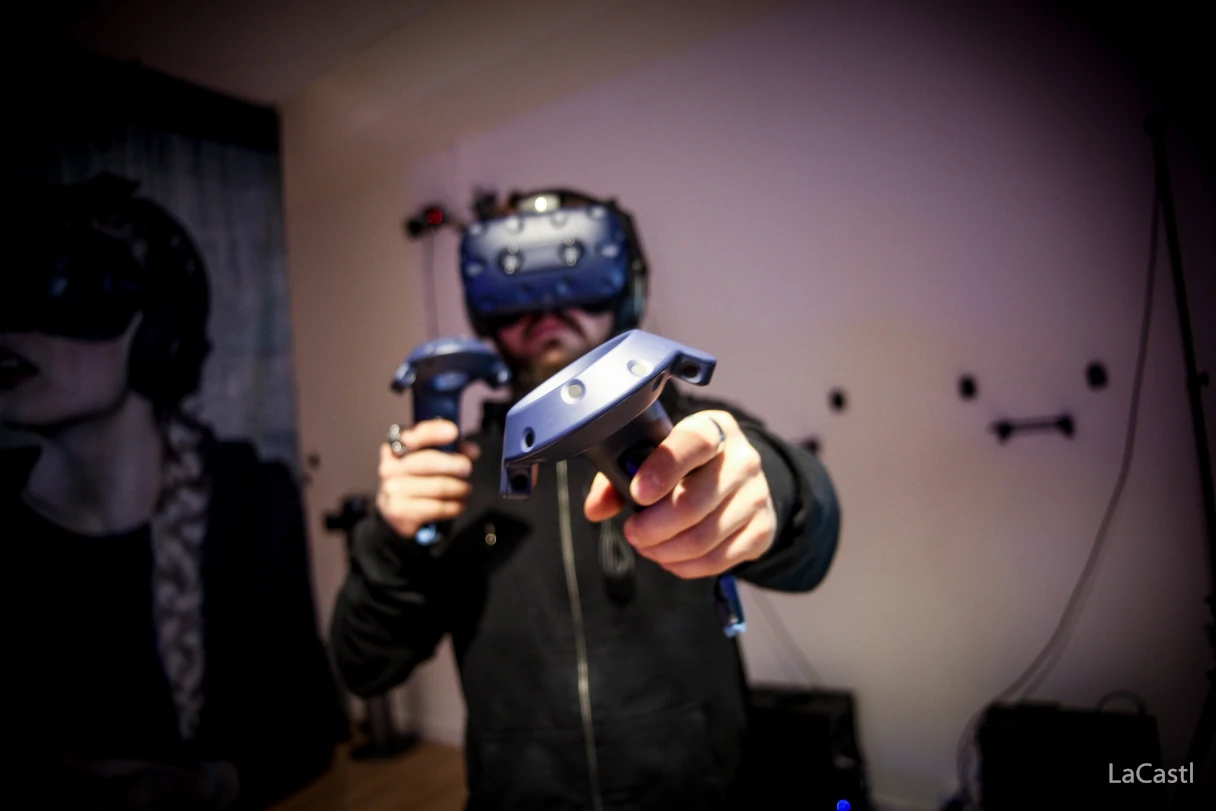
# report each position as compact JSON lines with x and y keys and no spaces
{"x":547,"y":258}
{"x":83,"y":286}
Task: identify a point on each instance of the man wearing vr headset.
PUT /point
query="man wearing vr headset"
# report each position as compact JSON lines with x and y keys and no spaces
{"x":162,"y":641}
{"x":595,"y":671}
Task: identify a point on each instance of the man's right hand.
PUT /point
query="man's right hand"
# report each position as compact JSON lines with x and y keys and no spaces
{"x":426,"y":485}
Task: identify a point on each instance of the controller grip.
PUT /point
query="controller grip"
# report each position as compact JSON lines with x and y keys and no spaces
{"x":429,"y":405}
{"x":619,"y":458}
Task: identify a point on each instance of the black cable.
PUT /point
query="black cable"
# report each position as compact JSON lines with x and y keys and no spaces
{"x":431,"y":303}
{"x":1063,"y":627}
{"x":774,"y":621}
{"x":1125,"y":467}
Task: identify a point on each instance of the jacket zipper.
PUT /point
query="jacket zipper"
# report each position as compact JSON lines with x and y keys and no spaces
{"x":580,"y":639}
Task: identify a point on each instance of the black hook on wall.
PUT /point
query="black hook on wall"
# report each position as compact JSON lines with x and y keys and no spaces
{"x":1064,"y":423}
{"x":838,"y":400}
{"x":1096,"y":377}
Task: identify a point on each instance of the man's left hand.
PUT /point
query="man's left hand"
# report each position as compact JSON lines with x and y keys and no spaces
{"x":708,"y":505}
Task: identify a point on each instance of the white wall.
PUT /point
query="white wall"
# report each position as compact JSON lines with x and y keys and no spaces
{"x":880,"y":197}
{"x":344,"y":253}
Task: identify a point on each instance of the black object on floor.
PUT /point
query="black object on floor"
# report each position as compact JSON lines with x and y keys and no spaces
{"x":384,"y":740}
{"x":1049,"y":758}
{"x":804,"y":752}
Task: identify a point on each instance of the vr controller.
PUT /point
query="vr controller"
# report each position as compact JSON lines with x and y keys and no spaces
{"x":569,"y":257}
{"x":606,"y":405}
{"x":438,"y":372}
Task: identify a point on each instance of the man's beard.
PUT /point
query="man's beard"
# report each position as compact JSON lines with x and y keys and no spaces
{"x":529,"y":374}
{"x":535,"y":372}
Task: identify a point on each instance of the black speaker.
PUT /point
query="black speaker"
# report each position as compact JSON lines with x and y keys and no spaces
{"x":803,"y":751}
{"x":1049,"y":758}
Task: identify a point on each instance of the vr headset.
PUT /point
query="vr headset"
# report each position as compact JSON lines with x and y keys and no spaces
{"x":67,"y":278}
{"x":89,"y":258}
{"x":559,"y":249}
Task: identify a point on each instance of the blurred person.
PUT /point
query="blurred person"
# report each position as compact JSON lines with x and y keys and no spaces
{"x":594,"y":668}
{"x":162,"y":622}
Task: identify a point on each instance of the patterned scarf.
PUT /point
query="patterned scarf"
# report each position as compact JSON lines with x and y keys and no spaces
{"x":177,"y":586}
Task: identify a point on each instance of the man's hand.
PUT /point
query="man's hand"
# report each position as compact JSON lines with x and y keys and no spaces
{"x":708,"y":506}
{"x":425,"y":486}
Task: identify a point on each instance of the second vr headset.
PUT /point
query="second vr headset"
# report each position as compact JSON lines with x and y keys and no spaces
{"x":66,"y":277}
{"x":556,"y":249}
{"x":90,"y":257}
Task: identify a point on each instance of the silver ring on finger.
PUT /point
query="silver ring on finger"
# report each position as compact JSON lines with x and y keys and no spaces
{"x":721,"y":435}
{"x":394,"y":442}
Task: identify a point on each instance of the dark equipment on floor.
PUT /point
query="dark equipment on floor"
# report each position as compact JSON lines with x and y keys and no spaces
{"x":383,"y":739}
{"x":1047,"y":758}
{"x":804,"y":752}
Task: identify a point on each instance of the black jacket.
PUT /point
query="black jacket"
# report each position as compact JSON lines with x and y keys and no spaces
{"x":82,"y":644}
{"x":576,"y":683}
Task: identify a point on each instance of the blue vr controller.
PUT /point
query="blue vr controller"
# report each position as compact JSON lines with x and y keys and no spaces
{"x":438,"y":372}
{"x":606,"y":405}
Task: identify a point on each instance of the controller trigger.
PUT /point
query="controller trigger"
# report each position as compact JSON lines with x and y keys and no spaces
{"x":632,"y":459}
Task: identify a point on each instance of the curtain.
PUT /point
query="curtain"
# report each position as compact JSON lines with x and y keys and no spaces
{"x":210,"y":162}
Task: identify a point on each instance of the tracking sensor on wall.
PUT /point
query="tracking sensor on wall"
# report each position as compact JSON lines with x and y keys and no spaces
{"x":429,"y":219}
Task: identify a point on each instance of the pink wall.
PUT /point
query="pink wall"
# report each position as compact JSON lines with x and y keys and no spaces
{"x":880,"y":198}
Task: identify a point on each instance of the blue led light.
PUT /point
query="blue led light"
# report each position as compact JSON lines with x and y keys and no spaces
{"x":843,"y":805}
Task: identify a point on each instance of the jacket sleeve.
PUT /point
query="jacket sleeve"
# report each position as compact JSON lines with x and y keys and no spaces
{"x":808,"y":512}
{"x":388,"y":618}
